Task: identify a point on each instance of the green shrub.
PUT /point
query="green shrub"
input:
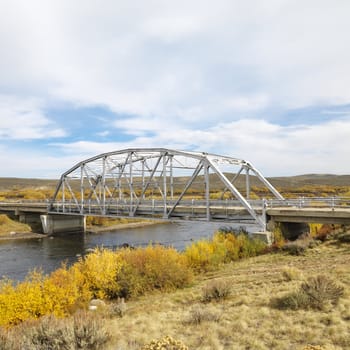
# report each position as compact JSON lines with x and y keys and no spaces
{"x":83,"y":331}
{"x":198,"y":314}
{"x":315,"y":293}
{"x":320,"y":290}
{"x":49,"y":333}
{"x":89,"y":331}
{"x":216,"y":290}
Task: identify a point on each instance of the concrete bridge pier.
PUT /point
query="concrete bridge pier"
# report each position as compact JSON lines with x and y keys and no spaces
{"x":55,"y":224}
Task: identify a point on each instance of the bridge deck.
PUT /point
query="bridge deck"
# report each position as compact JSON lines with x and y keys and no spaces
{"x":197,"y":210}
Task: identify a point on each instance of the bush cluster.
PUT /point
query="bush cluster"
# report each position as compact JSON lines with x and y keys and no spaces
{"x":152,"y":268}
{"x":83,"y":331}
{"x":125,"y":273}
{"x":205,"y":255}
{"x":315,"y":293}
{"x":102,"y":274}
{"x":216,"y":290}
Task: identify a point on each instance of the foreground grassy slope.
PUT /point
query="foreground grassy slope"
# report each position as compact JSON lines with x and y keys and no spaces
{"x":246,"y":319}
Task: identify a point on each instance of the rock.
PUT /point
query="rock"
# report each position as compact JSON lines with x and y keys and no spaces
{"x":98,"y":303}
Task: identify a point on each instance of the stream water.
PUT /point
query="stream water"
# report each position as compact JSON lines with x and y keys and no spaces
{"x":18,"y":257}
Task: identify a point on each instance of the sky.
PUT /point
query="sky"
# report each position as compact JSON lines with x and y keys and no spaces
{"x":265,"y":81}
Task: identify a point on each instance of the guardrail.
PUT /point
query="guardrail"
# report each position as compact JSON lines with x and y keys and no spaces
{"x":157,"y":206}
{"x":310,"y":202}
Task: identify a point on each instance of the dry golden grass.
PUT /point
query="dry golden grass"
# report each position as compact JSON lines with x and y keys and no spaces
{"x":7,"y":226}
{"x":246,"y":319}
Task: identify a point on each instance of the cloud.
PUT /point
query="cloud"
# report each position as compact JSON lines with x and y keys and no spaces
{"x":217,"y":76}
{"x":24,"y":119}
{"x":180,"y":59}
{"x":272,"y":148}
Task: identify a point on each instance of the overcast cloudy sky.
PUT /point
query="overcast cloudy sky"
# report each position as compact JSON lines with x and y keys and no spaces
{"x":267,"y":81}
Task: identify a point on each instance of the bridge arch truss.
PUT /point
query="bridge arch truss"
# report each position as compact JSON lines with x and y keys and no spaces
{"x":162,"y":183}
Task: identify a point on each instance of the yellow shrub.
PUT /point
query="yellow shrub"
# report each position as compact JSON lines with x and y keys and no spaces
{"x":205,"y":255}
{"x":38,"y":295}
{"x":224,"y":247}
{"x":315,"y":229}
{"x":150,"y":268}
{"x":278,"y":239}
{"x":98,"y":273}
{"x":230,"y":242}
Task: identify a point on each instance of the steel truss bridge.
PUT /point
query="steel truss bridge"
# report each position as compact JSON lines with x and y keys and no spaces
{"x":167,"y":184}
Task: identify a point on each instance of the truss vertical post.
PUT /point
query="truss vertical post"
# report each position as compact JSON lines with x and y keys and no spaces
{"x":103,"y":183}
{"x":63,"y":195}
{"x":247,"y":179}
{"x":143,"y":178}
{"x":171,"y":178}
{"x":130,"y":184}
{"x":165,"y":190}
{"x":207,"y":190}
{"x":119,"y":182}
{"x":82,"y":189}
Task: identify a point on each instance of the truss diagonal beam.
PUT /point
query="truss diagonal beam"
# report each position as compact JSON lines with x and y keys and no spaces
{"x":189,"y":183}
{"x":236,"y":193}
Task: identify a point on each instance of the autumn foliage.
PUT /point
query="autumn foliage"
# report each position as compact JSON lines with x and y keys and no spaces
{"x":107,"y":274}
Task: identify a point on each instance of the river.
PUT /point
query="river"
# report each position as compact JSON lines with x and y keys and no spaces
{"x":18,"y":257}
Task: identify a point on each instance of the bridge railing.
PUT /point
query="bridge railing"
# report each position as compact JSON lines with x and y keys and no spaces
{"x":69,"y":205}
{"x":310,"y":202}
{"x":157,"y":205}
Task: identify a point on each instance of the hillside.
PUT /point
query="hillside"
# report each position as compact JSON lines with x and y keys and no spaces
{"x":327,"y":184}
{"x":9,"y":183}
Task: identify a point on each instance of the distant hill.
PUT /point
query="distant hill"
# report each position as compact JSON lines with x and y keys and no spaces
{"x":311,"y":179}
{"x":8,"y":183}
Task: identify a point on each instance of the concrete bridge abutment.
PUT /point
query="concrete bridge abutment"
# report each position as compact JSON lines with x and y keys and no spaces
{"x":289,"y":230}
{"x":53,"y":224}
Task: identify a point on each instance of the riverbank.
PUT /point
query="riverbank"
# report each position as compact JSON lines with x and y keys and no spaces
{"x":116,"y":227}
{"x":21,"y":235}
{"x":14,"y":235}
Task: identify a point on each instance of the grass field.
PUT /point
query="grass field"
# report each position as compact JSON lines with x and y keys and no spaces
{"x":247,"y":318}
